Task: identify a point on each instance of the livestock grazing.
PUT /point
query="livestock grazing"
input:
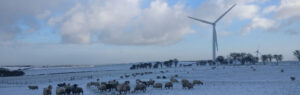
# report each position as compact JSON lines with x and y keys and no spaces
{"x":103,"y":83}
{"x":184,"y":81}
{"x":158,"y":77}
{"x":61,"y":84}
{"x":102,"y":87}
{"x":114,"y":84}
{"x":282,"y":70}
{"x":127,"y":76}
{"x":138,"y":81}
{"x":164,"y":77}
{"x":293,"y":78}
{"x":187,"y":85}
{"x":123,"y":88}
{"x":176,"y":75}
{"x":174,"y":80}
{"x":161,"y":71}
{"x":197,"y":82}
{"x":33,"y":87}
{"x":60,"y":91}
{"x":77,"y":91}
{"x":69,"y":89}
{"x":168,"y":85}
{"x":140,"y":87}
{"x":157,"y":85}
{"x":151,"y":82}
{"x":47,"y":91}
{"x":127,"y":82}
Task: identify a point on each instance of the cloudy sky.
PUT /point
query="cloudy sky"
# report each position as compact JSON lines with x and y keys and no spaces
{"x":55,"y":32}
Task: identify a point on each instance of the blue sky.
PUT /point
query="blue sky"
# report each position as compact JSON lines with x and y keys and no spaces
{"x":113,"y":31}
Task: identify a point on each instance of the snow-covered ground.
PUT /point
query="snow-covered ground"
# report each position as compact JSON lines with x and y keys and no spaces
{"x":224,"y":80}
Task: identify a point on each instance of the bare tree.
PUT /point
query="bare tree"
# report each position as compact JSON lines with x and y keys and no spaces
{"x":297,"y":54}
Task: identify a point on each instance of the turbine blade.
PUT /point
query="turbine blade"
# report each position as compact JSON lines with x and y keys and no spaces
{"x":204,"y":21}
{"x":224,"y":13}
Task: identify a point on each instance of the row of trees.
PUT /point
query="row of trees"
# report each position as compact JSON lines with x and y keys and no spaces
{"x":167,"y":64}
{"x":5,"y":72}
{"x":268,"y":58}
{"x":243,"y":58}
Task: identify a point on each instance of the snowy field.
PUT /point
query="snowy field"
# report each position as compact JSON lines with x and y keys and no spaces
{"x":224,"y":80}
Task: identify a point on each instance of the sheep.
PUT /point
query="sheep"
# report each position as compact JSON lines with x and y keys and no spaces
{"x":47,"y":91}
{"x":102,"y":87}
{"x":174,"y":80}
{"x":103,"y":83}
{"x":293,"y":78}
{"x":158,"y":77}
{"x":77,"y":90}
{"x":61,"y":84}
{"x":127,"y":76}
{"x":151,"y":82}
{"x":176,"y":75}
{"x":33,"y":87}
{"x":184,"y":81}
{"x":282,"y":70}
{"x":140,"y":87}
{"x":127,"y":82}
{"x":157,"y":85}
{"x":164,"y":77}
{"x":187,"y":85}
{"x":60,"y":91}
{"x":138,"y":80}
{"x":69,"y":89}
{"x":123,"y":88}
{"x":114,"y":84}
{"x":197,"y":82}
{"x":161,"y":71}
{"x":168,"y":85}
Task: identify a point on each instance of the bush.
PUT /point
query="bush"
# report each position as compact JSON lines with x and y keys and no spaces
{"x":6,"y":73}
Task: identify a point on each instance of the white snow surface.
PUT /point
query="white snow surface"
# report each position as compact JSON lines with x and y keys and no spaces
{"x":224,"y":80}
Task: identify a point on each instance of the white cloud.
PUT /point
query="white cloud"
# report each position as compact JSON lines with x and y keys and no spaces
{"x":123,"y":22}
{"x":288,"y":9}
{"x":269,"y":9}
{"x":258,"y":23}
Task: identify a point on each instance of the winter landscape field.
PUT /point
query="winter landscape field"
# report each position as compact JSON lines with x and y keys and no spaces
{"x":149,"y":47}
{"x":217,"y":80}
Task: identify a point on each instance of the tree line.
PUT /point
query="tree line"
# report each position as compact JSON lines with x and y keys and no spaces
{"x":6,"y":72}
{"x":158,"y":64}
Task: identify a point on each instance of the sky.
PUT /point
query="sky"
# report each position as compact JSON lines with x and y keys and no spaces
{"x":63,"y":32}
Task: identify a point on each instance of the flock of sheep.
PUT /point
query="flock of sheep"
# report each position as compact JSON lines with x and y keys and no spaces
{"x":140,"y":86}
{"x":61,"y":89}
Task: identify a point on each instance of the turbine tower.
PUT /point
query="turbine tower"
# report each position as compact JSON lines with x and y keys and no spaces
{"x":214,"y":43}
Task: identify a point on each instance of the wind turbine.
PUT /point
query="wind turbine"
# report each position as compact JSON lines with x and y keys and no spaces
{"x":214,"y":43}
